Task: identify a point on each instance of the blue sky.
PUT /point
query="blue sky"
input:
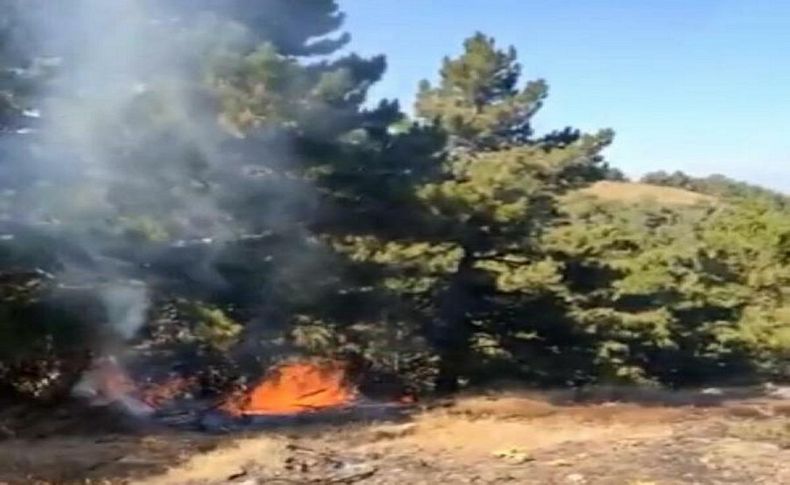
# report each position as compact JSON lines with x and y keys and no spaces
{"x":697,"y":85}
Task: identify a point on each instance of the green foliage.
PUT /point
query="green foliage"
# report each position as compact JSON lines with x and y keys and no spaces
{"x":214,"y":327}
{"x":446,"y":249}
{"x":719,"y":186}
{"x":477,"y":215}
{"x":478,"y":99}
{"x":699,"y":283}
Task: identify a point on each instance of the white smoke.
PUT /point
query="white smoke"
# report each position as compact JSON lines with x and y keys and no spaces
{"x":127,"y":137}
{"x":95,"y":166}
{"x":126,"y":307}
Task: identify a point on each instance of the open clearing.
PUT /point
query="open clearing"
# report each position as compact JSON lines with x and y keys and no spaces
{"x":631,"y":192}
{"x":513,"y":437}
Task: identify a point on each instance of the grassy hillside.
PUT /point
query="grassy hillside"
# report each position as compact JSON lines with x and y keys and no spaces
{"x":636,"y":191}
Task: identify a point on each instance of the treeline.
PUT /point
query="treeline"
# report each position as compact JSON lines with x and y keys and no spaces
{"x":270,"y":210}
{"x":718,"y":186}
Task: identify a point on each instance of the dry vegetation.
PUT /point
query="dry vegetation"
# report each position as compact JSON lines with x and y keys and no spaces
{"x":510,"y":437}
{"x":636,"y":192}
{"x":772,"y":429}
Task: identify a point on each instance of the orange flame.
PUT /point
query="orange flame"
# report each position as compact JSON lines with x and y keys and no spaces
{"x":296,"y":388}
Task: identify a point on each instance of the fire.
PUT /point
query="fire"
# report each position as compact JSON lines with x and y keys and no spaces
{"x":291,"y":388}
{"x":296,"y":388}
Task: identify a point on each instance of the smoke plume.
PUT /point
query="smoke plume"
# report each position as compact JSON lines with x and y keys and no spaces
{"x":122,"y":141}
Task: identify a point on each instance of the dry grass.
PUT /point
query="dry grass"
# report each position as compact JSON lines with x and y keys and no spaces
{"x":481,"y":437}
{"x":525,"y":401}
{"x":748,"y":412}
{"x":636,"y":192}
{"x":471,"y":429}
{"x":774,"y":430}
{"x":503,"y":407}
{"x":224,"y":462}
{"x":782,"y":409}
{"x":476,"y":426}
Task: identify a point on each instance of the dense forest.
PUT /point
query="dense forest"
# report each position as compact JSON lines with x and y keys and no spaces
{"x":224,"y":195}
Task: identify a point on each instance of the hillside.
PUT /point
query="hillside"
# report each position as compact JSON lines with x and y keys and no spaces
{"x":637,"y":191}
{"x":718,"y":186}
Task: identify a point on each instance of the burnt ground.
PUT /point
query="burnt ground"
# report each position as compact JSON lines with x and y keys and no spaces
{"x":515,"y":437}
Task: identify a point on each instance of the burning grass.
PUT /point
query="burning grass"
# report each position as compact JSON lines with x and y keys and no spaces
{"x":293,"y":388}
{"x":296,"y":387}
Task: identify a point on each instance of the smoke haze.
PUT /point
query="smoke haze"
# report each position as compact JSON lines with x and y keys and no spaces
{"x":123,"y":139}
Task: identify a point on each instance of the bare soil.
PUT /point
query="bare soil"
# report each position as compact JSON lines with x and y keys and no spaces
{"x":509,"y":437}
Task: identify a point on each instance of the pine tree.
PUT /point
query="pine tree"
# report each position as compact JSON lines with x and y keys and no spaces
{"x":501,"y":185}
{"x":302,"y":29}
{"x":483,"y":207}
{"x":676,"y":294}
{"x":201,"y":156}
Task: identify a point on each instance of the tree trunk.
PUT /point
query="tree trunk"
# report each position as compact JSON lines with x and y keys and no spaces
{"x":454,"y":331}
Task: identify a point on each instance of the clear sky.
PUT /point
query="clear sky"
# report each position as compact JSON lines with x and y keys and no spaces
{"x":697,"y":85}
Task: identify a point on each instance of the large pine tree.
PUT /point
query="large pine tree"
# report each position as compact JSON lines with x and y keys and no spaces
{"x":197,"y":160}
{"x":475,"y":256}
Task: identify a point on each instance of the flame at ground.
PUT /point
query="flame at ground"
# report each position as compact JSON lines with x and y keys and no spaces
{"x":296,"y":388}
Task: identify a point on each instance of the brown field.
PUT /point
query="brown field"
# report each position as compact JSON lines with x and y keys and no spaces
{"x":608,"y":437}
{"x":635,"y":192}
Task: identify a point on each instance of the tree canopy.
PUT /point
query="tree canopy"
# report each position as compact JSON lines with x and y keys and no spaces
{"x":227,"y":194}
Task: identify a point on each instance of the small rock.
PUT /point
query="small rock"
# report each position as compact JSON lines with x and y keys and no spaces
{"x":577,"y":478}
{"x":354,"y":472}
{"x":560,"y":462}
{"x":514,"y":455}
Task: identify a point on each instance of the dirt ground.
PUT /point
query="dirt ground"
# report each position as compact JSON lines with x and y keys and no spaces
{"x":516,"y":437}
